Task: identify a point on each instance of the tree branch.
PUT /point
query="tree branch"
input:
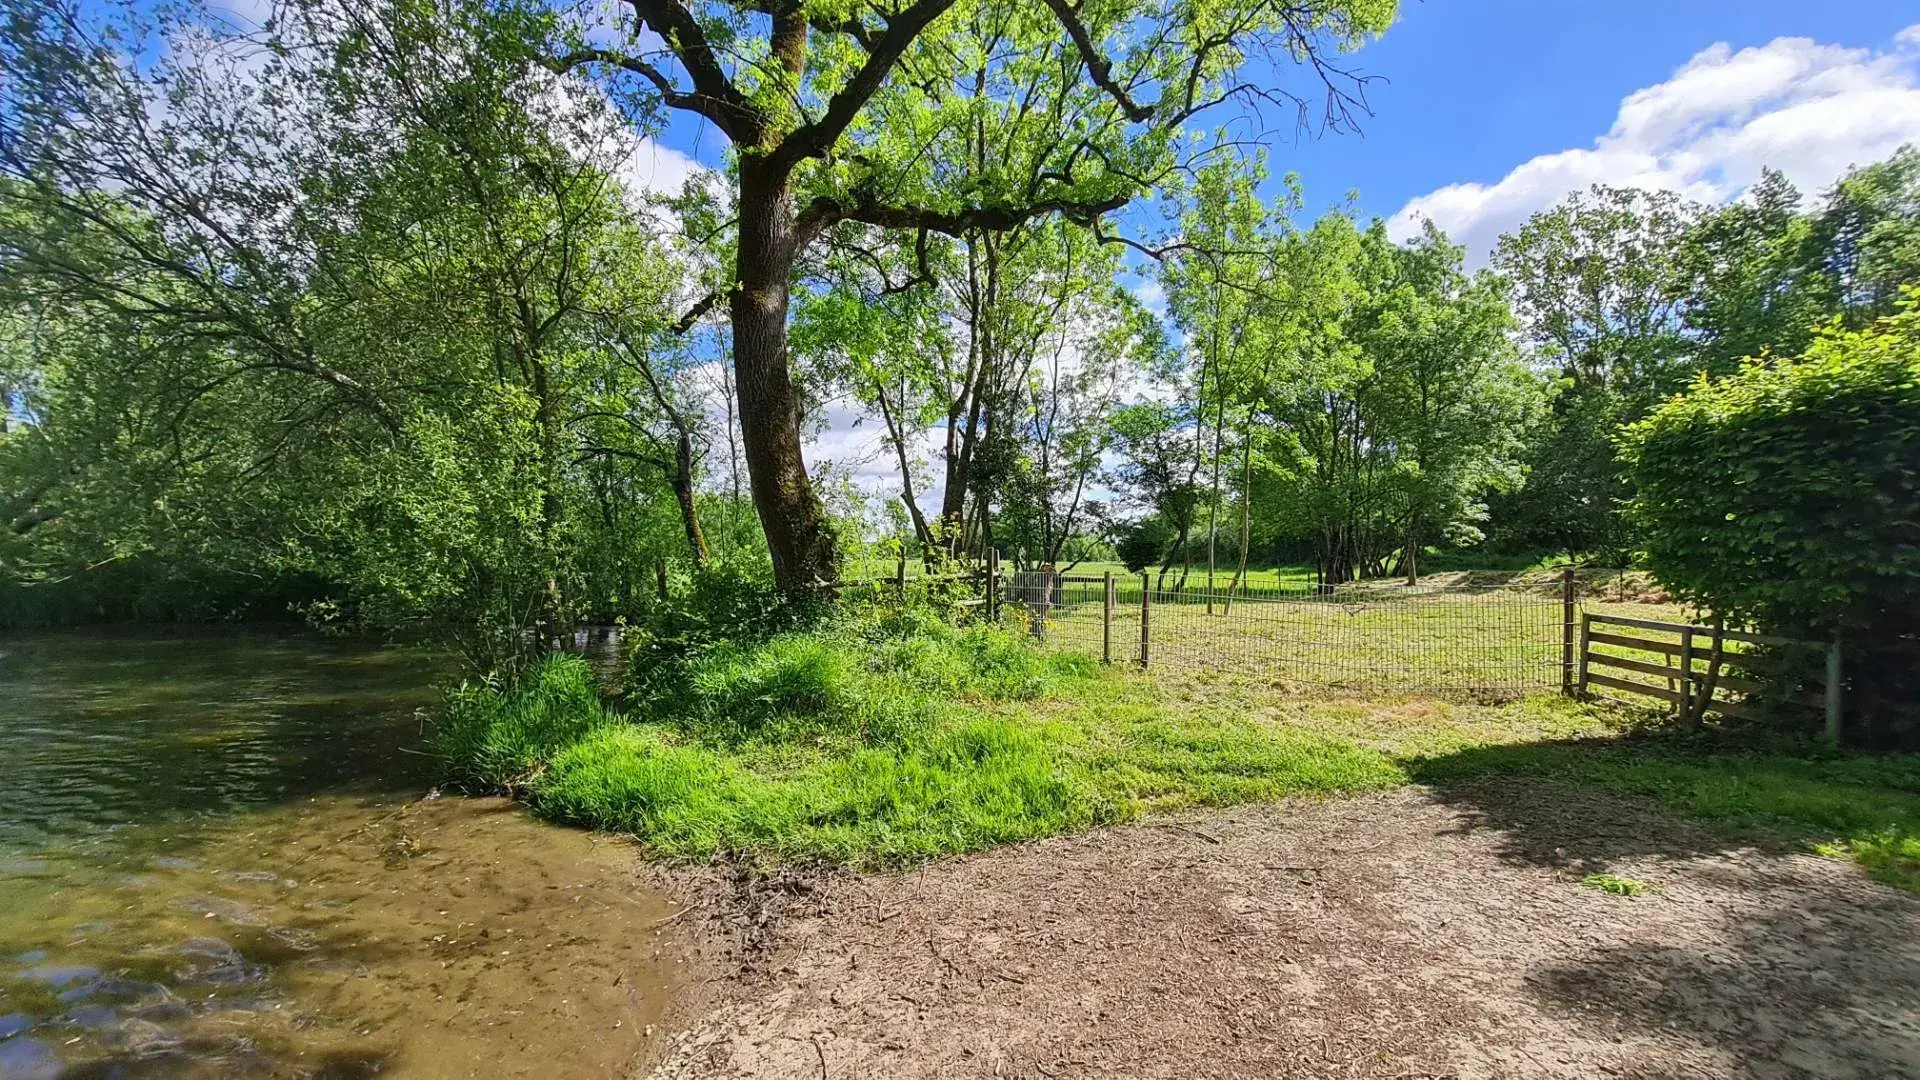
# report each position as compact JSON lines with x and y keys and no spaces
{"x":824,"y":211}
{"x":695,"y":313}
{"x":816,"y":138}
{"x":713,"y":96}
{"x":1097,"y":66}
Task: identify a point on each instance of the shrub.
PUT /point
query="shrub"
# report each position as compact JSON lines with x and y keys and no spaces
{"x":1788,"y":495}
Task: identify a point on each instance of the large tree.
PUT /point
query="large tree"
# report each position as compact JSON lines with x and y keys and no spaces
{"x":371,"y":310}
{"x":865,"y":112}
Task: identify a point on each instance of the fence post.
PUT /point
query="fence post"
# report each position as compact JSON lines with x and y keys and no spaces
{"x":1586,"y":627}
{"x":993,"y":585}
{"x":1038,"y":610}
{"x":1146,"y":606}
{"x":1685,"y":707}
{"x":1566,"y":631}
{"x":1106,"y":622}
{"x":1834,"y":690}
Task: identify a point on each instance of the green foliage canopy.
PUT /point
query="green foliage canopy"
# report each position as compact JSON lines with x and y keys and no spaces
{"x":1788,"y":494}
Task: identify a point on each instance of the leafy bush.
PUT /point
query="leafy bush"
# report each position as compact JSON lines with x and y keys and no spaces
{"x":727,"y":602}
{"x":1788,"y":495}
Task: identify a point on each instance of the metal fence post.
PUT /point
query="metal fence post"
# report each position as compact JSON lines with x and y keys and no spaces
{"x":1834,"y":690}
{"x":1106,"y":621}
{"x":1146,"y":606}
{"x":1566,"y":631}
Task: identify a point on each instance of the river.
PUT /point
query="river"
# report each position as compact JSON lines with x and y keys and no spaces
{"x":221,"y":855}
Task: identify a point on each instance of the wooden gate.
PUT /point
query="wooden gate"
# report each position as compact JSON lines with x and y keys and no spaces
{"x":1691,"y":666}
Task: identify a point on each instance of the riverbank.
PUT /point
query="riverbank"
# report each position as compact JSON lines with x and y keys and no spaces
{"x":1464,"y":932}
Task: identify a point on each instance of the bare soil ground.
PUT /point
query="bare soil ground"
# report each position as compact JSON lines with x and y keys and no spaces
{"x":1408,"y":934}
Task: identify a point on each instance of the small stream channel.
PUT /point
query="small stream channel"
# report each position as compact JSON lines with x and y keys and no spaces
{"x":219,"y":856}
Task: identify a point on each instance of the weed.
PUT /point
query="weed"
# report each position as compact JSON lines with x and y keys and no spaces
{"x":1618,"y":886}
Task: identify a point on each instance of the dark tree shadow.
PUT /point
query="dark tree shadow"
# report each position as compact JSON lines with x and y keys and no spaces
{"x":1811,"y":970}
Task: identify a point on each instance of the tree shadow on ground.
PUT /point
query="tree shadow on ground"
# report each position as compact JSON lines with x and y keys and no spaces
{"x":1784,"y":964}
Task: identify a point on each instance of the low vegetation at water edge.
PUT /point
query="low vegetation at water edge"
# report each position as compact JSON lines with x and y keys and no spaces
{"x":864,"y":743}
{"x":883,"y":737}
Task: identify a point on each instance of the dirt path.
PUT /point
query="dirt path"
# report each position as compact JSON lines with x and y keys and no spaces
{"x":1396,"y":935}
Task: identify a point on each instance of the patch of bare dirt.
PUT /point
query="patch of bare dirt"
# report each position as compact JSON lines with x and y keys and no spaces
{"x":1383,"y":936}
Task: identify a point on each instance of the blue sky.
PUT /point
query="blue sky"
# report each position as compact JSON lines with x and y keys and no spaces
{"x":1472,"y":90}
{"x":1475,"y":88}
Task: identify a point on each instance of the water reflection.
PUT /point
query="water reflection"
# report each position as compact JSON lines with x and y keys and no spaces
{"x":218,"y":858}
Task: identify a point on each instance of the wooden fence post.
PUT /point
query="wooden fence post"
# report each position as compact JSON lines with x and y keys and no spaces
{"x":1834,"y":691}
{"x":1566,"y":631}
{"x":1586,"y":627}
{"x":1106,"y":621}
{"x":1685,"y":705}
{"x":1040,"y":609}
{"x":993,"y":585}
{"x":1146,"y":606}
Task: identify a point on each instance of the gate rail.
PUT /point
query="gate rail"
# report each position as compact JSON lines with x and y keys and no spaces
{"x":1692,"y":667}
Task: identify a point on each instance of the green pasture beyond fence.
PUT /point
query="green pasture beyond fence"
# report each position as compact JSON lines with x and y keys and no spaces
{"x":1578,"y":631}
{"x":1490,"y":632}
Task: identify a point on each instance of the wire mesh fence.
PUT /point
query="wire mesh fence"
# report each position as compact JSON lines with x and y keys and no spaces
{"x":1481,"y":631}
{"x":1471,"y":635}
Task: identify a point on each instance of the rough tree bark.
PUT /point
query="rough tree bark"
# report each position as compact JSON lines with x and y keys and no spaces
{"x":790,"y":513}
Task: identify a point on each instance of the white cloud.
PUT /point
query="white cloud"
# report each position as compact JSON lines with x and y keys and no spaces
{"x":652,"y":167}
{"x":1805,"y":108}
{"x":1151,"y":294}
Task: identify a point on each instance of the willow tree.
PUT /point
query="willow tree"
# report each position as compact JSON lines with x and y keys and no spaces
{"x":862,"y":111}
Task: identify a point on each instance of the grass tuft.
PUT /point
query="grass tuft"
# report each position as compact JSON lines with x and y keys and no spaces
{"x":1618,"y":886}
{"x":494,"y":736}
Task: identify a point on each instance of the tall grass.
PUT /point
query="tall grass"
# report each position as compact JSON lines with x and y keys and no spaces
{"x":493,"y":735}
{"x":872,"y":739}
{"x":892,"y":735}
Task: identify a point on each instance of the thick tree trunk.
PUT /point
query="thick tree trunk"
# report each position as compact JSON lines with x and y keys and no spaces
{"x":790,"y":513}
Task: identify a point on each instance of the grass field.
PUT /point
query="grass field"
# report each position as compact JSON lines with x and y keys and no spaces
{"x":882,"y":743}
{"x":1463,"y":632}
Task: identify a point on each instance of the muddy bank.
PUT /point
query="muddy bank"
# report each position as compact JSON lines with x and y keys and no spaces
{"x":1383,"y":936}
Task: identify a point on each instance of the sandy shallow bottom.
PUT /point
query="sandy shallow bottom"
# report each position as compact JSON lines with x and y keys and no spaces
{"x":344,"y":937}
{"x":1395,"y":935}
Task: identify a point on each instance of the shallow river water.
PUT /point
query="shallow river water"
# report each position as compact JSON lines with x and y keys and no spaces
{"x":220,"y":855}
